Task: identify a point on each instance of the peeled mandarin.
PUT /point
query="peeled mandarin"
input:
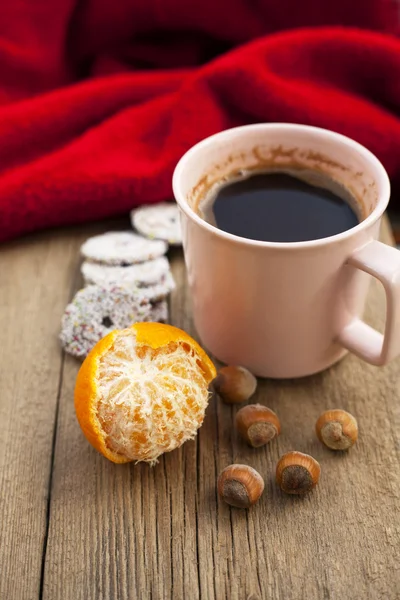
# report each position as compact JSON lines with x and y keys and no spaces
{"x":142,"y":391}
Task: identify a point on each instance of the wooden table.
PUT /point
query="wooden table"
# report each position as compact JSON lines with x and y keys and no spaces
{"x":75,"y":526}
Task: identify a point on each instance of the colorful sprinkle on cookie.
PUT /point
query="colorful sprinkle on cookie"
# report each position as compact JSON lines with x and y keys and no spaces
{"x":97,"y":310}
{"x":159,"y":221}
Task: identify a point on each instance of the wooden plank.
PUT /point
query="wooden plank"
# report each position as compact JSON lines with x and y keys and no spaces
{"x":160,"y":533}
{"x":35,"y":283}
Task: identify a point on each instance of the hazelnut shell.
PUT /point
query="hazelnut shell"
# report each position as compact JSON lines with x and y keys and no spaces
{"x":257,"y":424}
{"x":337,"y":429}
{"x":297,"y":473}
{"x":240,"y":485}
{"x":235,"y":384}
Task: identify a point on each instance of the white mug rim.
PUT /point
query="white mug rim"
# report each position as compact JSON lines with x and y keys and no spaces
{"x":330,"y":136}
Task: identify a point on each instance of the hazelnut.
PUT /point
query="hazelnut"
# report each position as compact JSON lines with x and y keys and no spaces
{"x":240,"y":485}
{"x":257,"y":424}
{"x":337,"y":429}
{"x":297,"y":473}
{"x":235,"y":384}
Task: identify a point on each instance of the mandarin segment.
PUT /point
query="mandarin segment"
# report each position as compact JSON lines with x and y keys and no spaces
{"x":143,"y":391}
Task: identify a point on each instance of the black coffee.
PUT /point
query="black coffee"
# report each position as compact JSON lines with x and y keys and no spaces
{"x":278,"y":207}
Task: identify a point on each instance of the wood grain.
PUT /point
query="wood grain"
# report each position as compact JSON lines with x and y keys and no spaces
{"x":36,"y":277}
{"x":125,"y":532}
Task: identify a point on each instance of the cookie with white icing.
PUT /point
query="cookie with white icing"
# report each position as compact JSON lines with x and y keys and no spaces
{"x":122,"y":248}
{"x":158,"y":222}
{"x":143,"y":274}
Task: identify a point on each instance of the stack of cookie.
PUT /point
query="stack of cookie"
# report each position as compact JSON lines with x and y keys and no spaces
{"x":127,"y":279}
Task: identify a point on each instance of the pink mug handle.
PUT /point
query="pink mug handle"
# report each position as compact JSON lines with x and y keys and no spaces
{"x":383,"y":262}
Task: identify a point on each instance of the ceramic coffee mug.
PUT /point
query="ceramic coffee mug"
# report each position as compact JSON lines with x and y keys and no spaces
{"x":288,"y":309}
